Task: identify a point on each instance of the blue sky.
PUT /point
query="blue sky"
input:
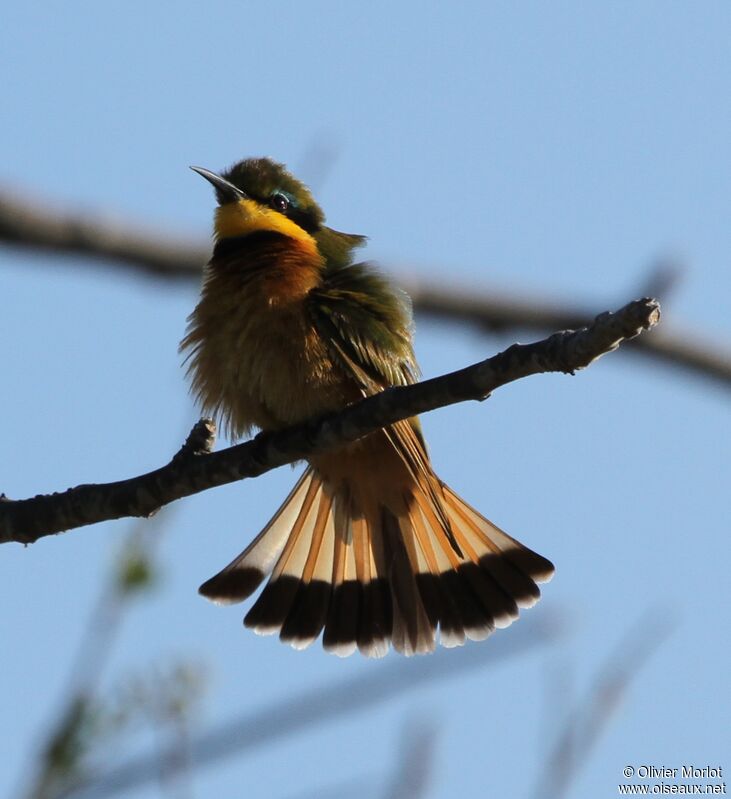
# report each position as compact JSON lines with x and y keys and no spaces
{"x":556,"y":149}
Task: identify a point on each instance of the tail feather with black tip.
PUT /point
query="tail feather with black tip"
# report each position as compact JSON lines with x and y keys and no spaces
{"x":365,"y":578}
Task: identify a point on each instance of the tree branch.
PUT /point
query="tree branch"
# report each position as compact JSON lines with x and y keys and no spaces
{"x":496,"y":313}
{"x":35,"y":225}
{"x":28,"y":223}
{"x":195,"y":468}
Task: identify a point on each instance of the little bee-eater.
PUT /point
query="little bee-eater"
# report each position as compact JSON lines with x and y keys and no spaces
{"x":371,"y":545}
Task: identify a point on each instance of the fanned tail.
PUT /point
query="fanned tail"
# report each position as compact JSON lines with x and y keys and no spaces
{"x":367,"y":576}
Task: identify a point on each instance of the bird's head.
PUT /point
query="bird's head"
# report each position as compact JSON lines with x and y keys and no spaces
{"x":259,"y":194}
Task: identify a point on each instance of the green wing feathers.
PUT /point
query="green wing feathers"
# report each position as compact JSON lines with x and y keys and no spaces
{"x":367,"y":323}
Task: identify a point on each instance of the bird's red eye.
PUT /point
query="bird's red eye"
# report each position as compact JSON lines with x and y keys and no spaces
{"x":279,"y":202}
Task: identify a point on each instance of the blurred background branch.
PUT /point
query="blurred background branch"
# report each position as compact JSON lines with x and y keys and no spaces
{"x":416,"y":761}
{"x":36,"y":225}
{"x":82,"y":725}
{"x":590,"y":717}
{"x":329,"y":703}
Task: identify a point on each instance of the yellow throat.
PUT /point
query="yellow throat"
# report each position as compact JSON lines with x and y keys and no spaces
{"x":248,"y":216}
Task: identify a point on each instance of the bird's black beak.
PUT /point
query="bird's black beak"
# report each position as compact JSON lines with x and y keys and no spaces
{"x":225,"y":192}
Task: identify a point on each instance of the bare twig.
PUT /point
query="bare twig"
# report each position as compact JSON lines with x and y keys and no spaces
{"x":35,"y":225}
{"x":191,"y":471}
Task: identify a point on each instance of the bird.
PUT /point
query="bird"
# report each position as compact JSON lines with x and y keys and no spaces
{"x":371,"y":549}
